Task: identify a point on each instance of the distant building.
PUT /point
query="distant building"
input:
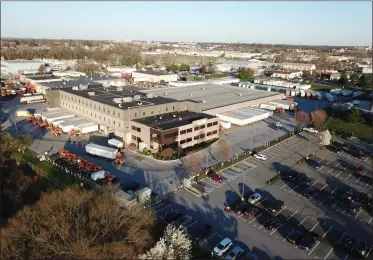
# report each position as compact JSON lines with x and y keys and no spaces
{"x":16,"y":66}
{"x":153,"y":76}
{"x":287,"y":74}
{"x":4,"y":68}
{"x":335,"y":76}
{"x":297,"y":66}
{"x":367,"y":70}
{"x":121,"y":69}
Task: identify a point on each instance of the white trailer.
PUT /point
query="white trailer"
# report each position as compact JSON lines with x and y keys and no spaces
{"x":225,"y":124}
{"x":63,"y":115}
{"x":45,"y":115}
{"x":302,"y":93}
{"x":319,"y":95}
{"x":32,"y":99}
{"x":102,"y":151}
{"x":268,"y":106}
{"x":329,"y":97}
{"x":116,"y":143}
{"x":88,"y":128}
{"x":244,"y":116}
{"x":287,"y":105}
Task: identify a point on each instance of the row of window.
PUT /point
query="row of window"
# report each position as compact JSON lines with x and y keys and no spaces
{"x":91,"y":113}
{"x":137,"y":129}
{"x":85,"y":102}
{"x":135,"y":138}
{"x":152,"y":112}
{"x":196,"y":128}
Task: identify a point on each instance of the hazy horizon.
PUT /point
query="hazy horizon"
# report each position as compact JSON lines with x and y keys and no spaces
{"x":288,"y":23}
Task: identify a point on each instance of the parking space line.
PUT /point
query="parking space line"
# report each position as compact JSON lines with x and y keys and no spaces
{"x":338,"y":173}
{"x":259,"y":202}
{"x":289,"y":234}
{"x":320,"y":168}
{"x":314,"y":226}
{"x":284,"y":185}
{"x":330,"y":170}
{"x":358,"y":213}
{"x":345,"y":257}
{"x":329,"y":162}
{"x":163,"y":208}
{"x":368,"y":252}
{"x":292,"y":215}
{"x":255,"y":218}
{"x":323,"y":187}
{"x":357,"y":241}
{"x":314,"y":183}
{"x":348,"y":176}
{"x":318,"y":242}
{"x":302,"y":221}
{"x":339,"y":240}
{"x":285,"y":208}
{"x":192,"y":224}
{"x":327,"y":231}
{"x":208,"y":238}
{"x":328,"y":254}
{"x":369,"y":220}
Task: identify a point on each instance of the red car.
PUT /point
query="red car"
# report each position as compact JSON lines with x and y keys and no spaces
{"x":349,"y":195}
{"x":216,"y":177}
{"x":360,"y":170}
{"x":252,"y":213}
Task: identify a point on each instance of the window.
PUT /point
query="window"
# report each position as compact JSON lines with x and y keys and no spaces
{"x":135,"y":114}
{"x":196,"y":137}
{"x":166,"y":109}
{"x":202,"y":135}
{"x":113,"y":122}
{"x":172,"y":135}
{"x":79,"y":100}
{"x":94,"y":106}
{"x":189,"y":130}
{"x":83,"y":110}
{"x":143,"y":113}
{"x":138,"y":129}
{"x":104,"y":118}
{"x":182,"y":142}
{"x":108,"y":112}
{"x":152,"y":112}
{"x":214,"y":132}
{"x":215,"y":123}
{"x":113,"y":113}
{"x":173,"y":108}
{"x":99,"y":108}
{"x":103,"y":109}
{"x":90,"y":104}
{"x":134,"y":128}
{"x":196,"y":128}
{"x":182,"y":132}
{"x":202,"y":127}
{"x":118,"y":124}
{"x":95,"y":115}
{"x":209,"y":124}
{"x":209,"y":133}
{"x":189,"y":140}
{"x":134,"y":137}
{"x":91,"y":113}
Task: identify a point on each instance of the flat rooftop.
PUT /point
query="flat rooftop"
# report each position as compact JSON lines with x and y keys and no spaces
{"x":214,"y":95}
{"x":172,"y":120}
{"x":108,"y":96}
{"x":42,"y":77}
{"x":154,"y":72}
{"x":77,"y":81}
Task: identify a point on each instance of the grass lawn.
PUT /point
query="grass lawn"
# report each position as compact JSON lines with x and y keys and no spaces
{"x":316,"y":86}
{"x":51,"y":170}
{"x":359,"y":130}
{"x":169,"y":59}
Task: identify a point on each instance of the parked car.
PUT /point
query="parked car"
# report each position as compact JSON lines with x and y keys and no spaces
{"x":272,"y":224}
{"x":260,"y":156}
{"x":363,"y":198}
{"x":216,"y":177}
{"x":360,"y":170}
{"x":349,"y":195}
{"x":242,"y":208}
{"x":354,"y":208}
{"x":254,"y":198}
{"x":252,"y":213}
{"x":294,"y":236}
{"x":335,"y":149}
{"x":309,"y":192}
{"x":348,"y":243}
{"x":362,"y":249}
{"x":172,"y":215}
{"x":291,"y":175}
{"x":330,"y":201}
{"x":236,"y":253}
{"x":307,"y":241}
{"x":203,"y":232}
{"x":315,"y":165}
{"x":275,"y":206}
{"x":310,"y":129}
{"x":223,"y":247}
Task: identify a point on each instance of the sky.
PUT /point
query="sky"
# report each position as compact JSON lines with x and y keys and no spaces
{"x":293,"y":22}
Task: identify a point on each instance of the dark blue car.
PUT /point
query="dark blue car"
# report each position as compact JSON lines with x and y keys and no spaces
{"x":316,"y":165}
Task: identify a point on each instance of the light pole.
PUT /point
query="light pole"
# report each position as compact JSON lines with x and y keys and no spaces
{"x":243,"y":187}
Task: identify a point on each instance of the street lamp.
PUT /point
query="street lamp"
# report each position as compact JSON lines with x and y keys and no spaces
{"x":243,"y":187}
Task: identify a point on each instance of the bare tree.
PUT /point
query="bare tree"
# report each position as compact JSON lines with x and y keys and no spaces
{"x":319,"y":117}
{"x":302,"y":119}
{"x":193,"y":163}
{"x":75,"y":223}
{"x":223,"y":150}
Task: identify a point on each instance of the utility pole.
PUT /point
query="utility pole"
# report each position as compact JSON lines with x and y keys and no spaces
{"x":243,"y":187}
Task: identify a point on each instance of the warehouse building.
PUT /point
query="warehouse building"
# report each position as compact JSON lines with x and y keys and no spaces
{"x":298,"y":66}
{"x":116,"y":110}
{"x":216,"y":99}
{"x":153,"y":76}
{"x":287,"y":74}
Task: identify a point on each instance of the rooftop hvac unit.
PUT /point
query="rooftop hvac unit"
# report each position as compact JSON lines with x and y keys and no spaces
{"x":240,"y":95}
{"x":180,"y":118}
{"x":166,"y":93}
{"x":191,"y":94}
{"x":173,"y":116}
{"x":117,"y":100}
{"x":91,"y":93}
{"x":106,"y":84}
{"x":127,"y":99}
{"x":149,"y":95}
{"x":75,"y":88}
{"x":64,"y":83}
{"x":120,"y":105}
{"x":119,"y":89}
{"x":112,"y":83}
{"x":136,"y":97}
{"x":160,"y":118}
{"x":203,"y":88}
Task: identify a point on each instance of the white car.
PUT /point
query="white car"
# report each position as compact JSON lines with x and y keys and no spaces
{"x":310,"y":129}
{"x":254,"y":198}
{"x":223,"y":247}
{"x":260,"y":156}
{"x":236,"y":253}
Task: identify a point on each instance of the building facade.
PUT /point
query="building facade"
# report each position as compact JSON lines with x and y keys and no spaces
{"x":153,"y":76}
{"x":287,"y":74}
{"x":298,"y":66}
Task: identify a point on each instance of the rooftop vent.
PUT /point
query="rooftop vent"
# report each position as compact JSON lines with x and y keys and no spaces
{"x":240,"y":95}
{"x":120,"y":105}
{"x":91,"y":93}
{"x":127,"y":99}
{"x":64,"y":83}
{"x":180,"y":118}
{"x":203,"y":101}
{"x":139,"y":103}
{"x":166,"y":93}
{"x":117,"y":100}
{"x":191,"y":94}
{"x":203,"y":88}
{"x":173,"y":116}
{"x":160,"y":118}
